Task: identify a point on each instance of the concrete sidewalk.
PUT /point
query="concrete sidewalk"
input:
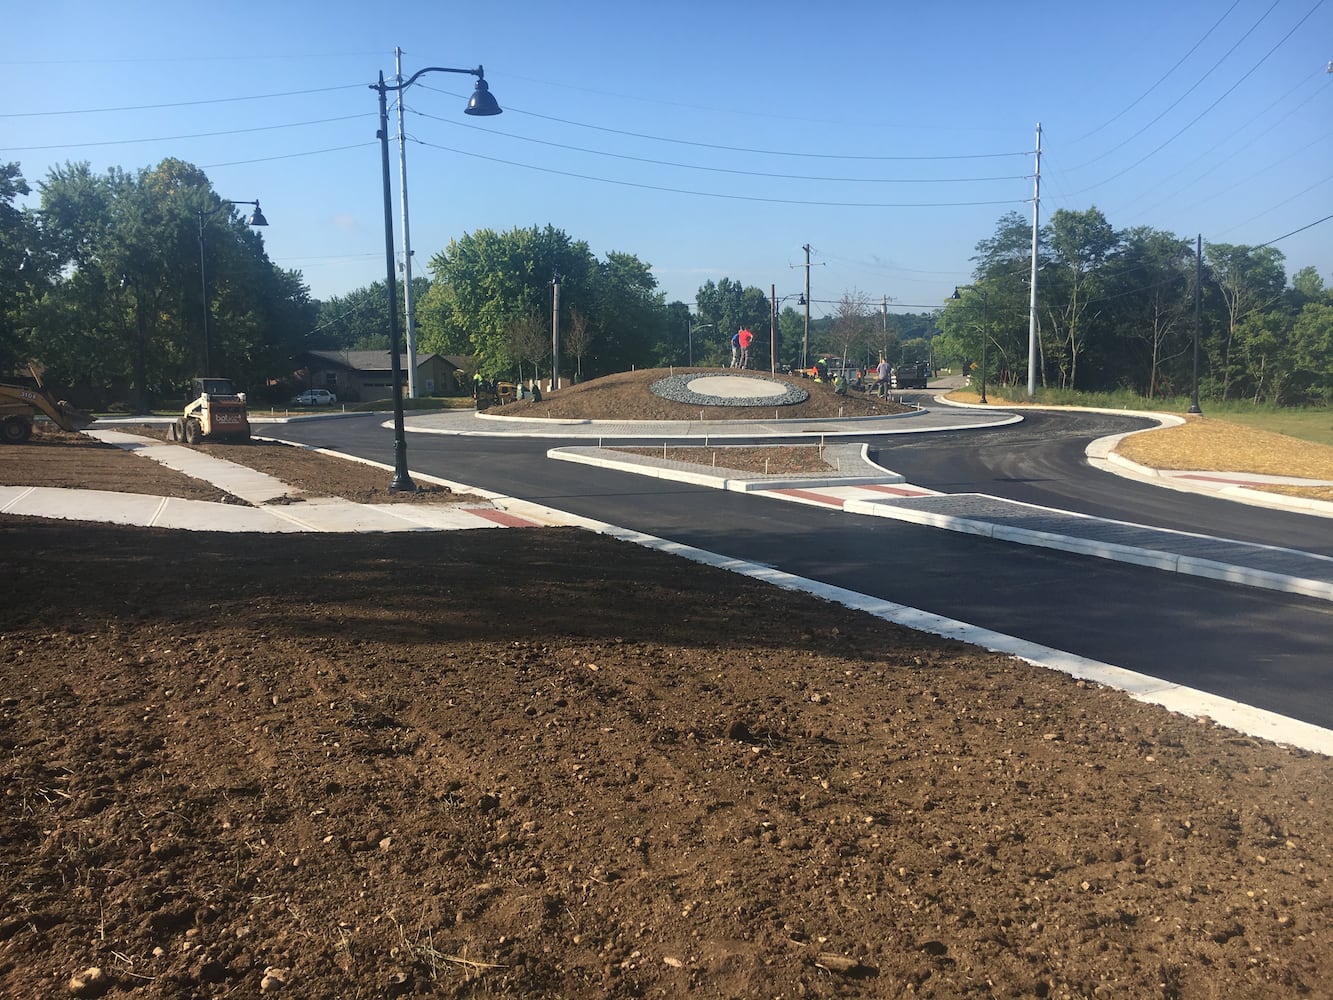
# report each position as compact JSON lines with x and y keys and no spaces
{"x":273,"y":506}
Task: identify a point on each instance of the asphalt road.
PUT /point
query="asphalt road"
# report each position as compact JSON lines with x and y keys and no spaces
{"x":1259,"y":647}
{"x":1040,"y":461}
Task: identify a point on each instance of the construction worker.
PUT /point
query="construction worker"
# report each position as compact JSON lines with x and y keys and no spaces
{"x":881,"y":378}
{"x":744,"y":337}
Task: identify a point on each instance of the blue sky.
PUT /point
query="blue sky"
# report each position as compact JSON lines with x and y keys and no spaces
{"x":711,"y":140}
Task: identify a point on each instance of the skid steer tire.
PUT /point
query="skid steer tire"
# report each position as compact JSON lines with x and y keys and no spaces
{"x":193,"y":432}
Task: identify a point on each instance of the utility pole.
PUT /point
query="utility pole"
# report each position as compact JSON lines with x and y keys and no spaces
{"x":1032,"y":307}
{"x":772,"y":329}
{"x":555,"y":330}
{"x":805,"y":342}
{"x":409,"y":314}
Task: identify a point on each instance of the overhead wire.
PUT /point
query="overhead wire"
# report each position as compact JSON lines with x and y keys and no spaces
{"x":743,"y":149}
{"x":1162,"y":79}
{"x":288,"y":156}
{"x":1181,"y":131}
{"x":713,"y":194}
{"x":1311,"y":225}
{"x":1274,"y":208}
{"x":1197,"y":83}
{"x":722,"y":170}
{"x":176,"y":104}
{"x":1216,"y":164}
{"x":177,"y":138}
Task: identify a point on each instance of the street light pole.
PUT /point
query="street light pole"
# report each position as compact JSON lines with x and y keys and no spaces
{"x":1198,"y":293}
{"x":256,"y":219}
{"x":555,"y":330}
{"x":481,"y":103}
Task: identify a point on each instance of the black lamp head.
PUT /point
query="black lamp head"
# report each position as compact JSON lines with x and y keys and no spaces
{"x":482,"y":101}
{"x":257,"y":219}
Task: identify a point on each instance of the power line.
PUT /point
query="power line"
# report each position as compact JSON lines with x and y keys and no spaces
{"x":286,"y":156}
{"x":739,"y":149}
{"x":712,"y":194}
{"x":174,"y":138}
{"x":1197,"y":83}
{"x":1310,"y":225}
{"x":1133,"y":104}
{"x":724,"y":170}
{"x":1181,"y":131}
{"x":177,"y":104}
{"x":1217,"y":164}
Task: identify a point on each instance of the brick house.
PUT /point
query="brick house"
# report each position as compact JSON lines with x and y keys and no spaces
{"x":355,"y":376}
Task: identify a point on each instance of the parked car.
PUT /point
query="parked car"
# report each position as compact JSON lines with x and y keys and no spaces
{"x":315,"y":397}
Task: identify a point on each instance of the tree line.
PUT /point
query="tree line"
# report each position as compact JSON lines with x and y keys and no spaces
{"x":127,"y":284}
{"x":1121,"y":310}
{"x":123,"y":286}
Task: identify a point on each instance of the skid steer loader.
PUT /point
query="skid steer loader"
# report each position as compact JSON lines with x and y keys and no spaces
{"x":215,"y":412}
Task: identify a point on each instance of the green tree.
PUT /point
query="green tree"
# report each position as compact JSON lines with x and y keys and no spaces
{"x":357,"y":321}
{"x":1080,"y":243}
{"x":1149,"y":285}
{"x":1003,"y":268}
{"x":728,"y":305}
{"x":1248,"y":279}
{"x":21,"y":268}
{"x":1312,"y":355}
{"x":490,"y":279}
{"x":128,"y":311}
{"x":628,"y":315}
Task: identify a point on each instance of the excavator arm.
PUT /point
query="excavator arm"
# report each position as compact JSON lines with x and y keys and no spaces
{"x":19,"y":404}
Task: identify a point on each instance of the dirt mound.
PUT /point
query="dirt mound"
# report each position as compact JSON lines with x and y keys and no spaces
{"x":625,"y":396}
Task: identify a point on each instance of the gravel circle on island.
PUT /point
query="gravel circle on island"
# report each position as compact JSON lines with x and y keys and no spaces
{"x":678,"y":389}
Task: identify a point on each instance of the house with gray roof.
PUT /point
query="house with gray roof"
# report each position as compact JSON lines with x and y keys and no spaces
{"x":359,"y":376}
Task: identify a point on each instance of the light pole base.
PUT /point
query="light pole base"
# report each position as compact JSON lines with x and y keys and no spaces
{"x":402,"y":480}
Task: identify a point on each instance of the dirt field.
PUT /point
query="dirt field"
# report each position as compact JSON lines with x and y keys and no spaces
{"x":539,"y":763}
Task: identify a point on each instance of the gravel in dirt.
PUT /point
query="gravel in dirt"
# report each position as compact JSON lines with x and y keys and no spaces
{"x":538,"y":762}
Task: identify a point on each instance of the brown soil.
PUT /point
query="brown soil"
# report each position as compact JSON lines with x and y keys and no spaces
{"x":778,"y":459}
{"x":542,"y":763}
{"x":625,"y":397}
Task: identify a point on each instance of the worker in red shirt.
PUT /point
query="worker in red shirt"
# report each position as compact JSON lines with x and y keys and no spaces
{"x":744,"y":337}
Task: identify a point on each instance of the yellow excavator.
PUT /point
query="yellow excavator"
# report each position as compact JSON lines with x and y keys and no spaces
{"x":19,"y":404}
